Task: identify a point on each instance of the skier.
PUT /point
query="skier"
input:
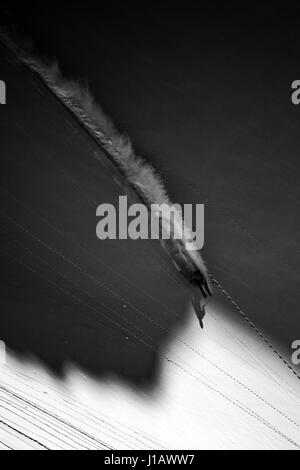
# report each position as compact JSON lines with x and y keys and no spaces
{"x":199,"y":280}
{"x":198,"y":283}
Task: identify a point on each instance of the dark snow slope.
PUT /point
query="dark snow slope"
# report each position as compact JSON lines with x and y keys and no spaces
{"x":64,"y":294}
{"x":207,"y":97}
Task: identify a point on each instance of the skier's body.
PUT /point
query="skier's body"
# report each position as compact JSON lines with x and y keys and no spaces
{"x":198,"y":282}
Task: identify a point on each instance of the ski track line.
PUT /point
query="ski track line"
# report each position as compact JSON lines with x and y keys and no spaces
{"x":70,"y":425}
{"x":96,"y":133}
{"x":236,"y":403}
{"x":251,"y":324}
{"x":167,"y":330}
{"x":84,"y":444}
{"x":23,"y":434}
{"x":276,"y":377}
{"x":79,"y":445}
{"x":5,"y":446}
{"x":84,"y":250}
{"x":24,"y":420}
{"x":15,"y":436}
{"x":75,"y":405}
{"x":61,"y":431}
{"x":181,"y":341}
{"x":93,"y":202}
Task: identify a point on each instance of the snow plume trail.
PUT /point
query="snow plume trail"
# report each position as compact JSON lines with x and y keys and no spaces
{"x":141,"y":175}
